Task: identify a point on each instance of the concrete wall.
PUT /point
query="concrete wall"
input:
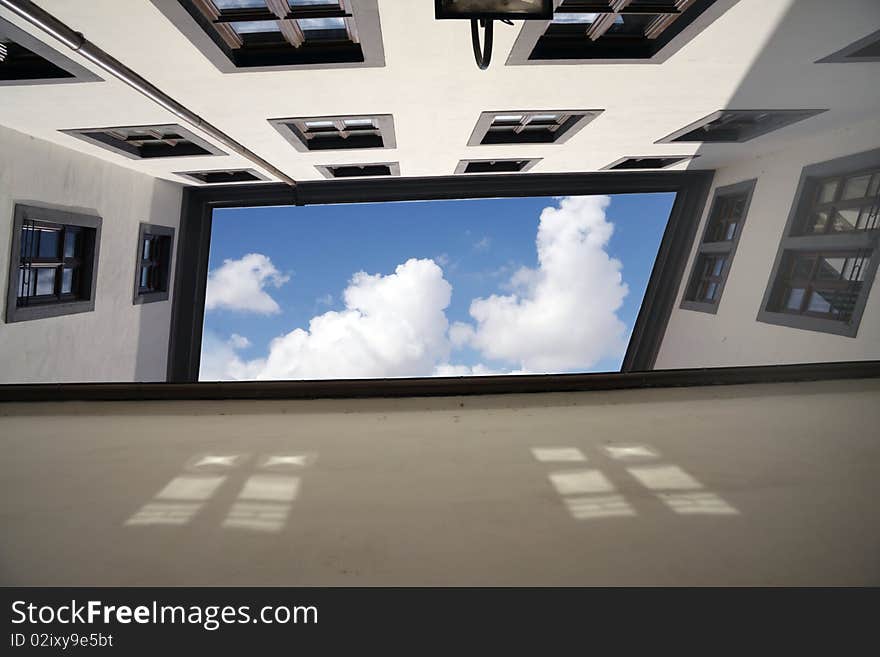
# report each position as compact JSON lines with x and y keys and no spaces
{"x":118,"y":341}
{"x":733,"y":336}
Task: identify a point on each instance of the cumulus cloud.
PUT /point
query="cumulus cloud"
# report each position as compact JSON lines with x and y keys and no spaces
{"x":561,"y":315}
{"x":220,"y":360}
{"x":241,"y":284}
{"x":392,"y":325}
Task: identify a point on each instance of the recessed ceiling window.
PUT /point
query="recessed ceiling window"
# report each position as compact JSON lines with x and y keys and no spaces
{"x":647,"y":162}
{"x":714,"y":259}
{"x":496,"y":166}
{"x":266,"y":34}
{"x":829,"y":253}
{"x":529,"y":127}
{"x":585,"y":31}
{"x":154,"y":257}
{"x":54,"y":270}
{"x":359,"y":170}
{"x":323,"y":133}
{"x":738,"y":125}
{"x":148,"y":141}
{"x":866,"y":49}
{"x":224,"y":176}
{"x":26,"y":60}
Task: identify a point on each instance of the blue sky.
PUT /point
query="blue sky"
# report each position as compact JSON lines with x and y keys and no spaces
{"x":458,"y":250}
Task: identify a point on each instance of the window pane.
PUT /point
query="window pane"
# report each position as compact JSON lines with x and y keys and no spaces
{"x":145,"y":276}
{"x":71,"y":239}
{"x":795,"y":298}
{"x":302,"y":3}
{"x":875,"y":185}
{"x":49,"y":243}
{"x":830,"y":268}
{"x":147,"y":241}
{"x":731,"y":232}
{"x":255,"y":27}
{"x":818,"y":303}
{"x":584,"y":17}
{"x":29,"y":237}
{"x":240,"y":4}
{"x":856,"y":187}
{"x":358,"y":123}
{"x":711,"y":290}
{"x":827,"y":191}
{"x":312,"y":24}
{"x":819,"y":223}
{"x":507,"y":118}
{"x":845,"y":220}
{"x":26,"y":281}
{"x":66,"y":280}
{"x":319,"y":125}
{"x":45,"y":280}
{"x":718,"y":266}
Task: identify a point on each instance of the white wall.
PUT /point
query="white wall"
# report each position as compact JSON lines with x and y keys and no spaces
{"x":733,"y":336}
{"x":118,"y":341}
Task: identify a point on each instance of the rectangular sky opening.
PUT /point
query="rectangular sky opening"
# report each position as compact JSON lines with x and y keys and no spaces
{"x":430,"y":288}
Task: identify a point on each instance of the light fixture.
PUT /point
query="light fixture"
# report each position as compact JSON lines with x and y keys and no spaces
{"x":482,"y":13}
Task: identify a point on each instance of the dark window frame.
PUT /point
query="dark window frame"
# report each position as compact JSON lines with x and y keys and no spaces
{"x":793,"y":242}
{"x":194,"y":240}
{"x":847,"y":55}
{"x":196,"y":176}
{"x":28,"y":212}
{"x":785,"y":118}
{"x":367,"y":51}
{"x":710,"y":248}
{"x":295,"y":132}
{"x":617,"y":164}
{"x":97,"y":137}
{"x":528,"y":47}
{"x":570,"y":123}
{"x":529,"y":163}
{"x":166,"y":233}
{"x":73,"y":72}
{"x":327,"y":170}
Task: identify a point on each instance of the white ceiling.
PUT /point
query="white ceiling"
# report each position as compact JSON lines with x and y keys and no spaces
{"x":759,"y":54}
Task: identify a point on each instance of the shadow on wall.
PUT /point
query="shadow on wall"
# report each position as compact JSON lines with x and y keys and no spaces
{"x":154,"y":319}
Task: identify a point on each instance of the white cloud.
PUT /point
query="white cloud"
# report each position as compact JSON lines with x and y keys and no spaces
{"x":220,"y":360}
{"x":393,"y":325}
{"x":240,"y":285}
{"x":326,"y":300}
{"x":483,"y":244}
{"x":560,"y":316}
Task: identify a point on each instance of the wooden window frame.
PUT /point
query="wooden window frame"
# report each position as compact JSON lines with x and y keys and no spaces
{"x":527,"y":164}
{"x":780,"y":118}
{"x":186,"y":142}
{"x":302,"y":138}
{"x":567,"y":124}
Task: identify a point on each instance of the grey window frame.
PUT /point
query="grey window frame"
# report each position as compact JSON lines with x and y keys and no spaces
{"x":793,"y":116}
{"x":326,"y":170}
{"x":728,"y":249}
{"x":78,"y":73}
{"x":793,"y":242}
{"x":65,"y":217}
{"x":367,"y":27}
{"x":572,"y":123}
{"x":844,"y":55}
{"x":86,"y":135}
{"x":530,"y":162}
{"x":384,"y":125}
{"x":163,"y":295}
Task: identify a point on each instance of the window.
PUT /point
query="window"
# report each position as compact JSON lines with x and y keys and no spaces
{"x":272,"y":34}
{"x":830,"y":249}
{"x":359,"y":170}
{"x":611,"y":31}
{"x":153,"y":270}
{"x":147,"y":141}
{"x":222,"y":177}
{"x":724,"y":225}
{"x":26,"y":60}
{"x":866,"y":49}
{"x":647,"y":162}
{"x":495,"y":166}
{"x":532,"y":127}
{"x":738,"y":125}
{"x":322,"y":133}
{"x":53,"y":268}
